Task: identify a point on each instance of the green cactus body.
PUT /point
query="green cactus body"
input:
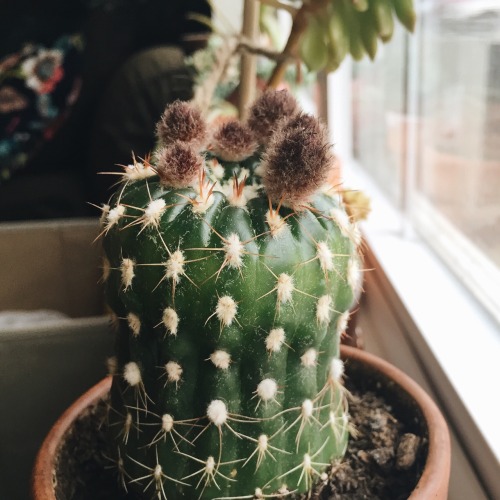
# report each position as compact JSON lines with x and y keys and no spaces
{"x":229,"y":311}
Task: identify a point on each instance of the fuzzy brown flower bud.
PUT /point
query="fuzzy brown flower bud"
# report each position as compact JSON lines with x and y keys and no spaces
{"x":233,"y":141}
{"x":178,"y":165}
{"x":268,"y":111}
{"x":181,"y":122}
{"x":297,"y":161}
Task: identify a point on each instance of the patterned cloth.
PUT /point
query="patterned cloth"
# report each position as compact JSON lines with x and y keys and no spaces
{"x":38,"y":87}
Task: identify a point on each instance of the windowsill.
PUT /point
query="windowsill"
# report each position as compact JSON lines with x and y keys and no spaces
{"x":463,"y":339}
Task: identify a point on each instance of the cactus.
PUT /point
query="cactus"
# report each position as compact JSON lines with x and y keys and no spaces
{"x":230,"y":270}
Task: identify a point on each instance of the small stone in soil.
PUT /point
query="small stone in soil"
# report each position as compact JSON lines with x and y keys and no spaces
{"x":406,"y":453}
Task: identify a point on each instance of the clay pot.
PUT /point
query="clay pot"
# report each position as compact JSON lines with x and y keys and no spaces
{"x":433,"y":484}
{"x":42,"y":479}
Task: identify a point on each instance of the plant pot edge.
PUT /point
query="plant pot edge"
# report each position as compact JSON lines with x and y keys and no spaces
{"x":433,"y":484}
{"x":42,"y":487}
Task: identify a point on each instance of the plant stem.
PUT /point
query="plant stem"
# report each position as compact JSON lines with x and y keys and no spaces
{"x":248,"y":72}
{"x":299,"y":26}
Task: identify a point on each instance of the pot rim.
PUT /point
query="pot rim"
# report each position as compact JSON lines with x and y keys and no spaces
{"x":433,"y":484}
{"x":436,"y":473}
{"x":42,"y":480}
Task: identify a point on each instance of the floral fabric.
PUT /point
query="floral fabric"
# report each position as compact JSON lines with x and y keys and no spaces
{"x":38,"y":86}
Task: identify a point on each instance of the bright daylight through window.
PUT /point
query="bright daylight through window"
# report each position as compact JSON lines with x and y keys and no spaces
{"x":426,"y":127}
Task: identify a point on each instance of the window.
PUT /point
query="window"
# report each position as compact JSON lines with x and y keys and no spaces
{"x":419,"y":131}
{"x":426,"y":128}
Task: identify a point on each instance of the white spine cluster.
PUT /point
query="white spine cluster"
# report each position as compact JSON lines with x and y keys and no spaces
{"x":267,"y":389}
{"x":307,"y":409}
{"x":202,"y":203}
{"x":167,"y":422}
{"x":173,"y":371}
{"x":226,"y":310}
{"x":347,"y":228}
{"x":324,"y":309}
{"x":284,"y":490}
{"x":343,"y":322}
{"x":154,"y":211}
{"x":258,"y":494}
{"x":260,"y":170}
{"x":336,"y":370}
{"x":239,"y":197}
{"x":234,"y":251}
{"x":157,"y":474}
{"x":216,"y":168}
{"x":205,"y":199}
{"x":342,"y":220}
{"x":275,"y":222}
{"x":353,"y":274}
{"x":285,"y":287}
{"x":137,"y":171}
{"x":217,"y":412}
{"x":210,"y":466}
{"x":221,"y":359}
{"x":170,"y":320}
{"x":310,"y":358}
{"x":127,"y":272}
{"x":262,"y":442}
{"x":112,"y":365}
{"x":250,"y":192}
{"x":275,"y":339}
{"x":114,"y":216}
{"x":132,"y":374}
{"x":174,"y":267}
{"x":134,"y":323}
{"x":325,"y":256}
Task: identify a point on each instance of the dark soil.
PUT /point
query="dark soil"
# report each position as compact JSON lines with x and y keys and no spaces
{"x":383,"y":461}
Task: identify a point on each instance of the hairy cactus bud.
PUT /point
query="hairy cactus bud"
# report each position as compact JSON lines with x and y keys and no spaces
{"x":297,"y":161}
{"x":233,"y":141}
{"x":181,"y":122}
{"x":267,"y":112}
{"x":230,"y":306}
{"x":178,"y":165}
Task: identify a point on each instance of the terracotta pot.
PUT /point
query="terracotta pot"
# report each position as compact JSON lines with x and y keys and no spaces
{"x":433,"y":484}
{"x":42,"y":479}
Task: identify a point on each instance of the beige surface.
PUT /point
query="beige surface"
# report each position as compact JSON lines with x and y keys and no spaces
{"x":51,"y":265}
{"x":45,"y":366}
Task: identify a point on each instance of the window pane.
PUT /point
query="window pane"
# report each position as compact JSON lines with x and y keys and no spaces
{"x":441,"y":163}
{"x":378,"y":107}
{"x":459,"y":139}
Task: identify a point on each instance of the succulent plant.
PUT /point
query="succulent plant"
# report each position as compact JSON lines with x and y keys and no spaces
{"x":337,"y":28}
{"x":230,"y":269}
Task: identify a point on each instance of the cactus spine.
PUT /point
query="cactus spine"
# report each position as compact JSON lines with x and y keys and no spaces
{"x":229,"y":274}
